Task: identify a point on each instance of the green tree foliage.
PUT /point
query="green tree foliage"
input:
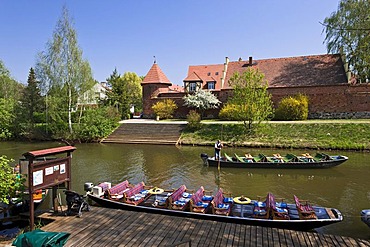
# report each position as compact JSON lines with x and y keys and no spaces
{"x":164,"y":109}
{"x":292,"y":108}
{"x":251,"y":101}
{"x":32,"y":102}
{"x":6,"y":118}
{"x":202,"y":100}
{"x":348,"y":28}
{"x":97,"y":123}
{"x":10,"y":93}
{"x":9,"y":88}
{"x":30,"y":109}
{"x":194,"y":120}
{"x":9,"y":182}
{"x":126,"y":92}
{"x":63,"y":73}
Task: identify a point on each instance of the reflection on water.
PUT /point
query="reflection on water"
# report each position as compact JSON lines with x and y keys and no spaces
{"x":345,"y":187}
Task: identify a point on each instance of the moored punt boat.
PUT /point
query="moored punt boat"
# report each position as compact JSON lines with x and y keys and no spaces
{"x":365,"y":216}
{"x":241,"y":209}
{"x":320,"y":160}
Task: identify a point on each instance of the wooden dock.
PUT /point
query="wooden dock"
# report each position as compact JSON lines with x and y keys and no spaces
{"x":114,"y":227}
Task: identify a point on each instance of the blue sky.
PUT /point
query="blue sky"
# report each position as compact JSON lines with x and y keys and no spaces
{"x":127,"y":34}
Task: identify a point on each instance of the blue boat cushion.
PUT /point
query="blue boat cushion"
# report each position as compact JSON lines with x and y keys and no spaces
{"x":138,"y":197}
{"x":228,"y":200}
{"x":186,"y":195}
{"x":223,"y":206}
{"x":281,"y":204}
{"x":144,"y":192}
{"x":202,"y":204}
{"x":281,"y":210}
{"x":179,"y":203}
{"x":259,"y":211}
{"x":206,"y":198}
{"x":162,"y":201}
{"x":260,"y":204}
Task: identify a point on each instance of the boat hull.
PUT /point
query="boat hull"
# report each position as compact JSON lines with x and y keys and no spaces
{"x":284,"y":224}
{"x":365,"y":216}
{"x":210,"y":161}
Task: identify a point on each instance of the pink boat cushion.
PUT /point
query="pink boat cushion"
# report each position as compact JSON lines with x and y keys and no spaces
{"x":104,"y":186}
{"x":119,"y":188}
{"x":178,"y":193}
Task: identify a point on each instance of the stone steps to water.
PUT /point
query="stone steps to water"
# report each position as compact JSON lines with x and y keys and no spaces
{"x":148,"y":133}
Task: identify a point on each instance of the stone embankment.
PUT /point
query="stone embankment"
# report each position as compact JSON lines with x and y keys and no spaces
{"x":144,"y":131}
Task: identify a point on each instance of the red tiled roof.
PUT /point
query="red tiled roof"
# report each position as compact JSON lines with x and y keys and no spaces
{"x":192,"y":77}
{"x":206,"y":73}
{"x":155,"y":75}
{"x":295,"y":71}
{"x":176,"y":88}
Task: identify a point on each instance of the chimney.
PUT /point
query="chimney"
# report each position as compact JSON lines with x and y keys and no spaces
{"x":227,"y":60}
{"x":250,"y":61}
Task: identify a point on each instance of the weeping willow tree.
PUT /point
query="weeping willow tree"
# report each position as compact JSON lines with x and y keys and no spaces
{"x":348,"y":30}
{"x":63,"y":73}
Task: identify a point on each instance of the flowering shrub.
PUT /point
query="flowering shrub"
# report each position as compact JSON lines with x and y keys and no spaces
{"x":292,"y":108}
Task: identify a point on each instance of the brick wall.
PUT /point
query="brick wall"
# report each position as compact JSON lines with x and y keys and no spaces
{"x":332,"y":101}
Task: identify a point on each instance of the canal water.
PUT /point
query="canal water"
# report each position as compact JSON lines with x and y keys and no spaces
{"x":346,"y":187}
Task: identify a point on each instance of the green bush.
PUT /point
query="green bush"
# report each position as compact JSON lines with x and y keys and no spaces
{"x":194,"y":119}
{"x":96,"y":124}
{"x":164,"y":109}
{"x":9,"y":182}
{"x":292,"y":108}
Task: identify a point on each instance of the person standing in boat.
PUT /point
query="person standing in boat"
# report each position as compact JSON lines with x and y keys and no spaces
{"x":218,"y":146}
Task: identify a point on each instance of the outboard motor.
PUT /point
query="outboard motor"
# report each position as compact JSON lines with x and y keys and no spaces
{"x":204,"y":158}
{"x":365,"y":216}
{"x":88,"y":187}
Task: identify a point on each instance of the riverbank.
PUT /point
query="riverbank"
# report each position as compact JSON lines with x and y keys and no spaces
{"x":311,"y":134}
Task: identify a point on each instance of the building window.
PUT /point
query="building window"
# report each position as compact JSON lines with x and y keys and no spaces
{"x":192,"y":87}
{"x":216,"y":73}
{"x":211,"y":85}
{"x":209,"y":74}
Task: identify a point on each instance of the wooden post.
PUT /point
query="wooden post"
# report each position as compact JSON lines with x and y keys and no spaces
{"x":55,"y":199}
{"x":30,"y":193}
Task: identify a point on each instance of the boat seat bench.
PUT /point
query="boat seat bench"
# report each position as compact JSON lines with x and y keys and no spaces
{"x":173,"y":199}
{"x":135,"y":195}
{"x":118,"y":190}
{"x":219,"y":206}
{"x":197,"y":202}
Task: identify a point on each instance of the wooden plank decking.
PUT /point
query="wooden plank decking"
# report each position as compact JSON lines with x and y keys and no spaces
{"x":113,"y":227}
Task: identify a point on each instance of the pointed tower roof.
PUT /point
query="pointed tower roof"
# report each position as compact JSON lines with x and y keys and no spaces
{"x":156,"y":75}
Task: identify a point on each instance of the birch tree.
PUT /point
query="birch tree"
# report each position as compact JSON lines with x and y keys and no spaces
{"x":63,"y":73}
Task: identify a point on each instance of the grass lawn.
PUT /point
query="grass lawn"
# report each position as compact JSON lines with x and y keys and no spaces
{"x":314,"y":134}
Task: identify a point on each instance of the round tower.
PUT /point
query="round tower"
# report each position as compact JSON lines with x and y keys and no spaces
{"x":154,"y":82}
